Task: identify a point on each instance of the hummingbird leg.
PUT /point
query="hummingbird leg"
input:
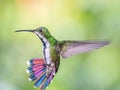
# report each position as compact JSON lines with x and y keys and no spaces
{"x":49,"y":68}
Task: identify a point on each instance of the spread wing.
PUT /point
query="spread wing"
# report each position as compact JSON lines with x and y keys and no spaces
{"x":69,"y":48}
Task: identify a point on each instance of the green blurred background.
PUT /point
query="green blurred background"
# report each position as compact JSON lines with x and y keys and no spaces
{"x":66,"y":19}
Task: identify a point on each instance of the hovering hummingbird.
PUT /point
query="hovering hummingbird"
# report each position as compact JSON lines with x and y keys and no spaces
{"x":42,"y":70}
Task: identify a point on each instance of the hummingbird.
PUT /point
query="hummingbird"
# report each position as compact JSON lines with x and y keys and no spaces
{"x":43,"y":70}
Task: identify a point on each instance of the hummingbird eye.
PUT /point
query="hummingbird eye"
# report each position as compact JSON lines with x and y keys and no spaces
{"x":40,"y":29}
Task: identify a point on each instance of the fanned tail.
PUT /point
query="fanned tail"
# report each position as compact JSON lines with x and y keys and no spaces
{"x":41,"y":73}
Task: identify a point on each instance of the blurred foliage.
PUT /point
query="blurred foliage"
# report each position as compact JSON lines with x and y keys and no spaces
{"x":75,"y":20}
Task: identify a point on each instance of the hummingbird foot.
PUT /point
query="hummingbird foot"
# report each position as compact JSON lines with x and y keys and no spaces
{"x":49,"y":68}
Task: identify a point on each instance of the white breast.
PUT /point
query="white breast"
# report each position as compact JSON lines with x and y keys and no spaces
{"x":47,"y":54}
{"x":47,"y":48}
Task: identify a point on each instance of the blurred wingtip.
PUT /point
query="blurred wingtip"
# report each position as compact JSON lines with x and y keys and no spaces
{"x":107,"y":42}
{"x":104,"y":42}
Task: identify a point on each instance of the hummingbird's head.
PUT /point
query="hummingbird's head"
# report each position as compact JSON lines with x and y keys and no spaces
{"x":42,"y":32}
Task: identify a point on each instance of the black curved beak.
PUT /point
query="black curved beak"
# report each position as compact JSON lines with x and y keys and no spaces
{"x":25,"y":31}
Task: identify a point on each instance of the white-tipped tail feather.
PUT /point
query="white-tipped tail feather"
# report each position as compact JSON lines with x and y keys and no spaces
{"x":29,"y":79}
{"x":35,"y":87}
{"x":27,"y":71}
{"x":28,"y":62}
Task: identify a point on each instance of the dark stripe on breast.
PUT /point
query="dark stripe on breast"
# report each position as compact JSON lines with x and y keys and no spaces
{"x":45,"y":44}
{"x":44,"y":47}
